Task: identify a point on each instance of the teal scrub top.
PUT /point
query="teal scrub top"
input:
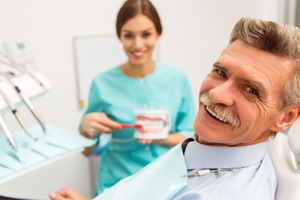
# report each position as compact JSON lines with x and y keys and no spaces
{"x":118,"y":95}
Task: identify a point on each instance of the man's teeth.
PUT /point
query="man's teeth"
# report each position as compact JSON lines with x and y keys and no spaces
{"x":216,"y":116}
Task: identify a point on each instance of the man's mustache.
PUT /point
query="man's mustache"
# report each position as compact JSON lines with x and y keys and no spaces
{"x":221,"y":112}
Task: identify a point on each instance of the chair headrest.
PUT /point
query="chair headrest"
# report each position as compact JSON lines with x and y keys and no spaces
{"x":294,"y":139}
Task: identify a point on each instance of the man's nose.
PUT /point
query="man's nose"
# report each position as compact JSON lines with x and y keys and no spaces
{"x":223,"y":94}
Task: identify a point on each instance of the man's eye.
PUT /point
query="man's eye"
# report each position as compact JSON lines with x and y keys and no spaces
{"x":251,"y":90}
{"x":221,"y":73}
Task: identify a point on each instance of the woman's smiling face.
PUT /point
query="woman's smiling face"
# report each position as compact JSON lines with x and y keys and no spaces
{"x":139,"y":36}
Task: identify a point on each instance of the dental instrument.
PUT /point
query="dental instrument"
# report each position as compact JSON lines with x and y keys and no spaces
{"x":14,"y":111}
{"x":25,"y":99}
{"x":10,"y":138}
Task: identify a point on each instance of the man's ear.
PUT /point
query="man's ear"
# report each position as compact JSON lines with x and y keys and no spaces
{"x":288,"y":117}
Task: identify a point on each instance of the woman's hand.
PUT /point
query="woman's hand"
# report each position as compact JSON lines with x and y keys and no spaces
{"x":97,"y":123}
{"x":66,"y":194}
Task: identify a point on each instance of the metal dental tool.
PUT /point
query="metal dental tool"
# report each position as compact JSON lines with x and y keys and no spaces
{"x":25,"y":99}
{"x":10,"y":138}
{"x":8,"y":134}
{"x":16,"y":114}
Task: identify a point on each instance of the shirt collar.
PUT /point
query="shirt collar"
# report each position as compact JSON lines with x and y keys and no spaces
{"x":199,"y":156}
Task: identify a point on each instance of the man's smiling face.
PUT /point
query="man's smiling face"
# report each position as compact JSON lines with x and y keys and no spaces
{"x":240,"y":97}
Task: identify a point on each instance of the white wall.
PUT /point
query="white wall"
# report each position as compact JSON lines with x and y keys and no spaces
{"x":195,"y":32}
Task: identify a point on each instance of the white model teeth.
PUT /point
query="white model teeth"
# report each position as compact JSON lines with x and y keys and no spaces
{"x":216,"y":116}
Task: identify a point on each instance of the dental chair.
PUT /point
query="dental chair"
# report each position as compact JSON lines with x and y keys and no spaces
{"x":284,"y":151}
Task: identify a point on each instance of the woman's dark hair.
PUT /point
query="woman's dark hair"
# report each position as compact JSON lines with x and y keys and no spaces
{"x":131,"y":8}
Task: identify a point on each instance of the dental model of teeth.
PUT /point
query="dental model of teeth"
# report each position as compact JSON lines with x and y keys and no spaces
{"x":152,"y":127}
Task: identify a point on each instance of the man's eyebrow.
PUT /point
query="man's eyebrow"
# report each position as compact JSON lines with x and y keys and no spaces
{"x":219,"y":65}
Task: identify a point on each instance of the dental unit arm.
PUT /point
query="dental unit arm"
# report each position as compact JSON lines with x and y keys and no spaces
{"x":17,"y":65}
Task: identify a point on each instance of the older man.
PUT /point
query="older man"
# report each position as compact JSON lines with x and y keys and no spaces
{"x":251,"y":93}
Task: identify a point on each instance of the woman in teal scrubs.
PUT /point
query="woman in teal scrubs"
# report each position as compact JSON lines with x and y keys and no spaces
{"x":139,"y":83}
